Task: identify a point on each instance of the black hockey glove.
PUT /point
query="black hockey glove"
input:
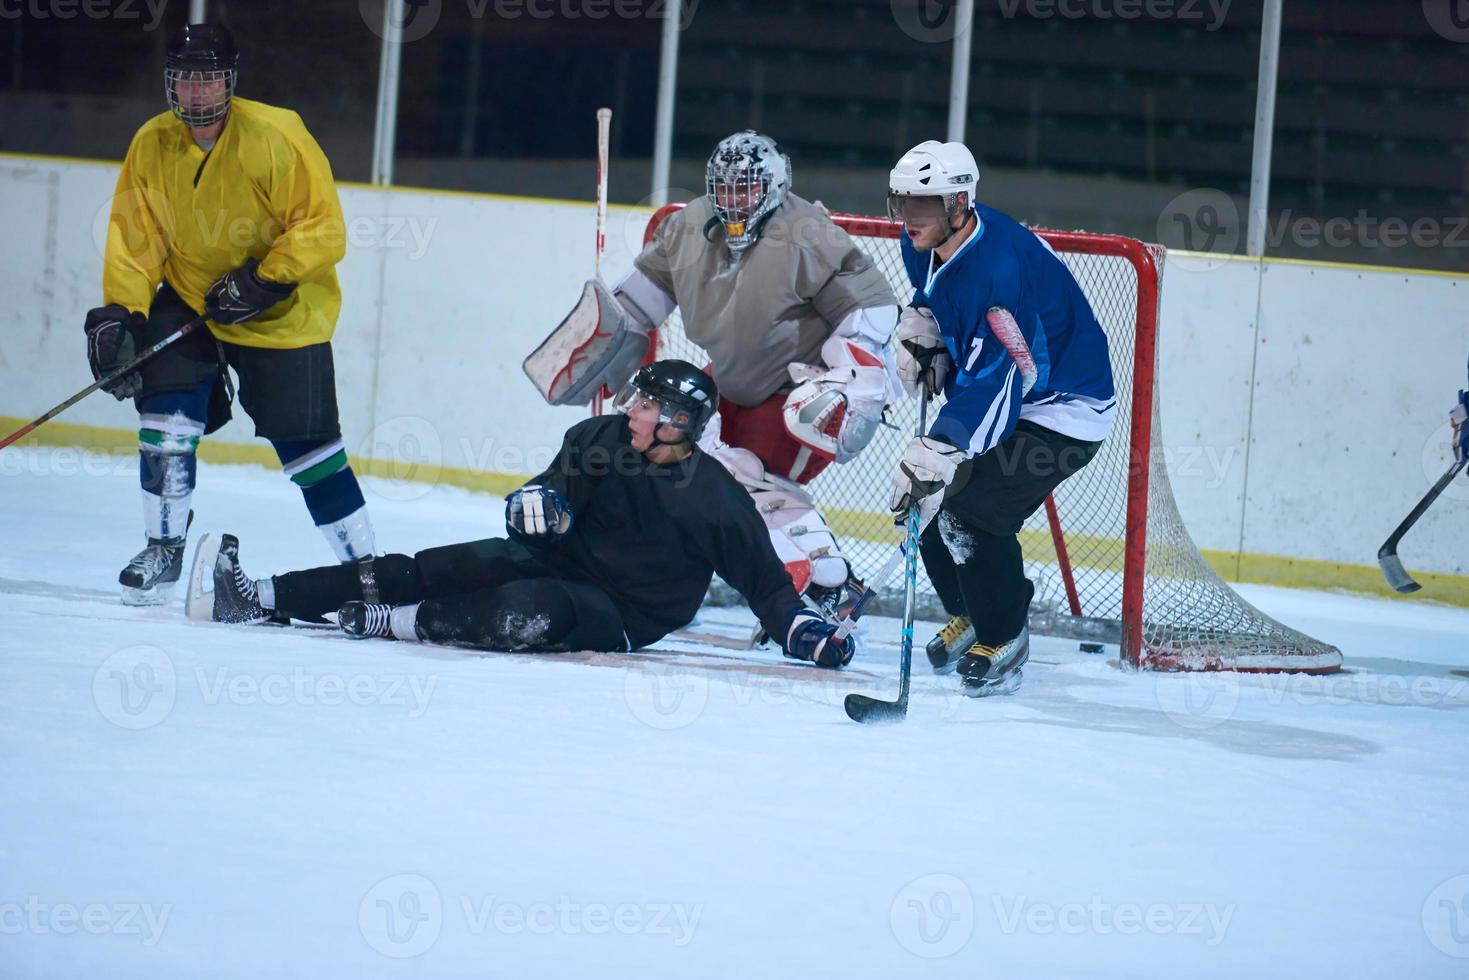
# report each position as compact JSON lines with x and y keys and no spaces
{"x":111,"y":332}
{"x":242,"y":295}
{"x":538,"y":512}
{"x":809,"y":637}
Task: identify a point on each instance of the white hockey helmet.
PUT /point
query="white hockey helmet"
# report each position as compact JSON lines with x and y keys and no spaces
{"x":747,"y":177}
{"x":934,"y":169}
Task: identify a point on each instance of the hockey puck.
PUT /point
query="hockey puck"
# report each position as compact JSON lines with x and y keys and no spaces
{"x":1091,"y":648}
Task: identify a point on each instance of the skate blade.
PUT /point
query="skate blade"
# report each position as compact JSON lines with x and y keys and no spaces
{"x":199,"y":603}
{"x":998,"y":687}
{"x":156,"y":596}
{"x":947,"y":667}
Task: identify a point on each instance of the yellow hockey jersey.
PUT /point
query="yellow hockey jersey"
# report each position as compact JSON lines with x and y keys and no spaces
{"x":265,"y":190}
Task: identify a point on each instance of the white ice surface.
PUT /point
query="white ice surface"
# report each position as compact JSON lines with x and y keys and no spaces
{"x":182,"y":799}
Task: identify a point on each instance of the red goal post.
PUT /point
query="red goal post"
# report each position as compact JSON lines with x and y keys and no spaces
{"x":1109,"y":553}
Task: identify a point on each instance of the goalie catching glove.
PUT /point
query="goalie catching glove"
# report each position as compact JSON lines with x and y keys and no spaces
{"x":809,"y":637}
{"x":923,"y":358}
{"x":835,"y":411}
{"x":537,"y":512}
{"x":924,"y":474}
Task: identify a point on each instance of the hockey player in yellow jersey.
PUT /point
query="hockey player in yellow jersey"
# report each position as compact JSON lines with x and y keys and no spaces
{"x":227,"y":208}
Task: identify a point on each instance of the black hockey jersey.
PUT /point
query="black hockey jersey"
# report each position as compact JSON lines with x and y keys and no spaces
{"x":652,"y":537}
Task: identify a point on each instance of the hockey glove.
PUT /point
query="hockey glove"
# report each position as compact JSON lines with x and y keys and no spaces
{"x":538,"y":512}
{"x":110,"y":344}
{"x":1459,"y":419}
{"x":809,"y":637}
{"x":242,"y":295}
{"x":924,"y":473}
{"x":923,"y":360}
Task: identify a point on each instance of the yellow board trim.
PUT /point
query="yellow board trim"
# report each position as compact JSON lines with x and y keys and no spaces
{"x":1277,"y":570}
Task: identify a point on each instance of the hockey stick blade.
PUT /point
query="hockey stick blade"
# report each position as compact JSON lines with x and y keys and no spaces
{"x":1387,"y":556}
{"x":1397,"y":576}
{"x":875,"y":711}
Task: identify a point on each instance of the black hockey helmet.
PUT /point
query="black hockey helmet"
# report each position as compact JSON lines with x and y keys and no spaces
{"x":687,"y":396}
{"x":204,"y":58}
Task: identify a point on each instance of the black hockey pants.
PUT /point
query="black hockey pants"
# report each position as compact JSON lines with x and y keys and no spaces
{"x":971,"y":550}
{"x":492,"y":594}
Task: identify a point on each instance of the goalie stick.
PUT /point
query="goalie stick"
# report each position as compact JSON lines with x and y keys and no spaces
{"x":1387,"y":556}
{"x":870,"y":710}
{"x":126,"y":369}
{"x":604,"y":133}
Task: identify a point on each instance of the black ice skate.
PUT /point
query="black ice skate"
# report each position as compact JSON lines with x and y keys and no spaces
{"x":219,"y":589}
{"x":987,"y":671}
{"x":945,"y":650}
{"x":364,"y":620}
{"x":149,"y":578}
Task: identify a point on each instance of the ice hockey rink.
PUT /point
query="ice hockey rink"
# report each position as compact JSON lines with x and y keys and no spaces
{"x":263,"y":802}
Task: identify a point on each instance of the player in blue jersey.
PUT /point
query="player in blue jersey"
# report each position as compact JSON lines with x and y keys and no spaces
{"x":998,"y":324}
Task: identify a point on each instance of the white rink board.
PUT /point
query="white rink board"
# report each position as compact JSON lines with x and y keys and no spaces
{"x":1303,"y":405}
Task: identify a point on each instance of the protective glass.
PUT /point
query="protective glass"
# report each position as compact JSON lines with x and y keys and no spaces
{"x":908,"y":208}
{"x":632,"y":398}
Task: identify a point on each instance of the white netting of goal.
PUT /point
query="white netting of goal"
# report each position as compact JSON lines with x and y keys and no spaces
{"x":1147,"y":588}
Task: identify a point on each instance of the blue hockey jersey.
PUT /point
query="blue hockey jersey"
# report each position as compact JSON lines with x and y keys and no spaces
{"x":1053,"y":371}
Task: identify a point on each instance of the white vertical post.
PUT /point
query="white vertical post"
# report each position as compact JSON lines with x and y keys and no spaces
{"x":1264,"y":128}
{"x":667,"y":80}
{"x":198,"y":11}
{"x":959,"y":79}
{"x":385,"y":130}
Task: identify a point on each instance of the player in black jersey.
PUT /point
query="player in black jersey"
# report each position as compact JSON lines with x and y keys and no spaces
{"x":611,"y":548}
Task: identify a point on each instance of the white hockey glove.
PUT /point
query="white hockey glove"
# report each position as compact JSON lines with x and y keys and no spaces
{"x":922,"y":357}
{"x":924,"y":474}
{"x":1459,"y":419}
{"x":538,"y":512}
{"x":835,"y":411}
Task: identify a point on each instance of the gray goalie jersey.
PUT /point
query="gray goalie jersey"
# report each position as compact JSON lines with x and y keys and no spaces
{"x":772,"y":305}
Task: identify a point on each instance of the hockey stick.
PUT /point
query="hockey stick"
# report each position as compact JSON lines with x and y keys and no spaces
{"x":872,"y":710}
{"x":126,"y":369}
{"x":604,"y":132}
{"x":1387,"y":556}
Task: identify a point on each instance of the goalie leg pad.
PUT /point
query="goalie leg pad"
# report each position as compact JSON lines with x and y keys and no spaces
{"x":598,"y":344}
{"x":796,"y":525}
{"x":799,"y":533}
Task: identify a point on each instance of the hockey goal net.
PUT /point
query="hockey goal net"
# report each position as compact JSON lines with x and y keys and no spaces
{"x":1109,"y":554}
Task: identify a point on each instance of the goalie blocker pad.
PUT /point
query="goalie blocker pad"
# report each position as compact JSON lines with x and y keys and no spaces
{"x":597,"y":345}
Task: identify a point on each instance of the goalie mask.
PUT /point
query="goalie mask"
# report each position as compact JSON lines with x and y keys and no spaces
{"x":686,"y":397}
{"x":747,"y":178}
{"x":200,"y":69}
